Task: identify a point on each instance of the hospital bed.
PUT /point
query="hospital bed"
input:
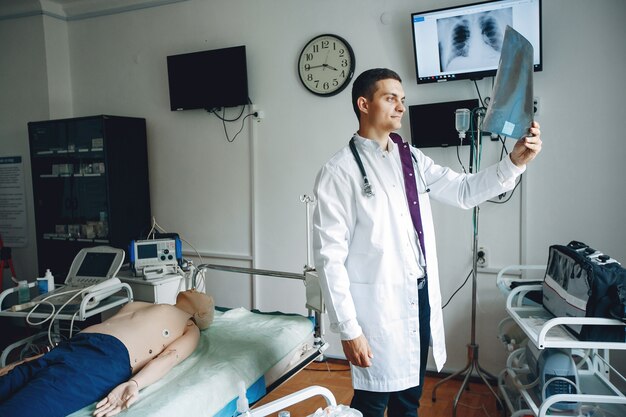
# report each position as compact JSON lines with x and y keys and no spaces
{"x":261,"y":349}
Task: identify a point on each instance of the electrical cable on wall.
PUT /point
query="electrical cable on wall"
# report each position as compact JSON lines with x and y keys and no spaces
{"x":482,"y":103}
{"x":223,"y":118}
{"x":458,"y":289}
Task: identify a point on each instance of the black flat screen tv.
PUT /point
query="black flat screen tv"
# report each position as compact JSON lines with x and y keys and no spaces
{"x":432,"y":125}
{"x":208,"y":79}
{"x":464,"y":42}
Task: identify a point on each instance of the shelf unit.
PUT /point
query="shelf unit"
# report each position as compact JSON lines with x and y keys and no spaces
{"x":545,"y":331}
{"x":90,"y":186}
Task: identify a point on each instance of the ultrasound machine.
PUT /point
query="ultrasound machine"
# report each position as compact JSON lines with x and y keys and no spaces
{"x":91,"y":287}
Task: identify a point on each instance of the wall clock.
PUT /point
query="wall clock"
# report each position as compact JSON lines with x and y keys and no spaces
{"x":326,"y":65}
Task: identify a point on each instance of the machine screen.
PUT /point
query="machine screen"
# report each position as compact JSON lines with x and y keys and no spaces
{"x":146,"y":251}
{"x":96,"y":264}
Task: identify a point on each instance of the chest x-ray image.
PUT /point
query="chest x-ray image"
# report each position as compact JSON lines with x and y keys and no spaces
{"x":510,"y":110}
{"x":472,"y":41}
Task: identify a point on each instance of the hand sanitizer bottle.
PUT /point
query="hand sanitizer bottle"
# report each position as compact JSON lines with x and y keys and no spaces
{"x":50,"y":278}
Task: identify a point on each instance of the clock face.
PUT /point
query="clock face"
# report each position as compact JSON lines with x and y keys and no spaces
{"x":326,"y":65}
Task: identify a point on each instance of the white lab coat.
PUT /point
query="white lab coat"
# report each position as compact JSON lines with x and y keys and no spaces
{"x":364,"y":257}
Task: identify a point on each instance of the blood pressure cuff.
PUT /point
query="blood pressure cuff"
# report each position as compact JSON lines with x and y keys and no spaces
{"x":71,"y":376}
{"x":582,"y":282}
{"x":510,"y":110}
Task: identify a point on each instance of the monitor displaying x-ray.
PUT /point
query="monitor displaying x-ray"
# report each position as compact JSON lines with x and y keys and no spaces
{"x":465,"y":42}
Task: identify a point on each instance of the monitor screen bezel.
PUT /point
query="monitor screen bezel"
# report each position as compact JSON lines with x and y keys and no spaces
{"x":440,"y":136}
{"x":474,"y":74}
{"x":231,"y":91}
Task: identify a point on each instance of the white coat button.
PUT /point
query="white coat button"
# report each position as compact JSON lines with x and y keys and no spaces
{"x":410,"y":174}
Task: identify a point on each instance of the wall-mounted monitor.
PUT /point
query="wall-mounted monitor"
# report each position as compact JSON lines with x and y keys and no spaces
{"x":208,"y":79}
{"x":464,"y":42}
{"x":433,"y":125}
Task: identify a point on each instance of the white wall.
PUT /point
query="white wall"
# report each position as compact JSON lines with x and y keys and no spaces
{"x":24,"y":97}
{"x":239,"y":202}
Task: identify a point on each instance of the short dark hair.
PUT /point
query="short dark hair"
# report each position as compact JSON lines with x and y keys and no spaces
{"x":365,"y":85}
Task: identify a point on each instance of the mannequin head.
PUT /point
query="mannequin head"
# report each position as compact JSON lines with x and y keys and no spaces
{"x":199,"y":305}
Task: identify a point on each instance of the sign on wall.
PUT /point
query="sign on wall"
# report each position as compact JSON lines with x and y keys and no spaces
{"x":12,"y":202}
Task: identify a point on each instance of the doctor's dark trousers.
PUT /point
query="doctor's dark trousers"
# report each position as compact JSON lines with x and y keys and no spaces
{"x":401,"y":403}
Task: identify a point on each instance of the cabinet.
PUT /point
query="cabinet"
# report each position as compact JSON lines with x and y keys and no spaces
{"x":158,"y":291}
{"x":90,"y":186}
{"x":597,"y":391}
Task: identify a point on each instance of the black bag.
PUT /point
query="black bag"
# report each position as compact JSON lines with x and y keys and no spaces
{"x":582,"y":282}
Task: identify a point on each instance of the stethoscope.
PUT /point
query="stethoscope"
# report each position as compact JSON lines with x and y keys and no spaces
{"x":367,"y":187}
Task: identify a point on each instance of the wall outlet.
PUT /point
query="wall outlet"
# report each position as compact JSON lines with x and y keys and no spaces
{"x":482,"y":256}
{"x":257,"y":113}
{"x":536,"y":105}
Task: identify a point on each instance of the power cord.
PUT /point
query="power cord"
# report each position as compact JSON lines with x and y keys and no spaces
{"x":458,"y":289}
{"x":158,"y":228}
{"x":482,"y":103}
{"x":224,"y":119}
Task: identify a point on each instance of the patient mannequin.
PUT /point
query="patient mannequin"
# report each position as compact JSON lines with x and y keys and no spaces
{"x":120,"y":356}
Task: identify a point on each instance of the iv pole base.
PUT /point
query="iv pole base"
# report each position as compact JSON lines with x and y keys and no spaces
{"x":472,"y":365}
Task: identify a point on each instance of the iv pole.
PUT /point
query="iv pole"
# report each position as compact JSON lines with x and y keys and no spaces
{"x":472,"y":346}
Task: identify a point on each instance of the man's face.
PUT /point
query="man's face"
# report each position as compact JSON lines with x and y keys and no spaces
{"x":386,"y":108}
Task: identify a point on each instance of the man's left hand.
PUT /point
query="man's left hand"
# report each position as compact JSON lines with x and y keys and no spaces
{"x":527,"y":148}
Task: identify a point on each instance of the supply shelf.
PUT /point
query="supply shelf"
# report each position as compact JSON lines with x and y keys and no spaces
{"x":545,"y":331}
{"x":597,"y":391}
{"x":598,"y":395}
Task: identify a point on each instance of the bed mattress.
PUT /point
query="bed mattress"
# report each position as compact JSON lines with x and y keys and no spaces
{"x":239,"y":346}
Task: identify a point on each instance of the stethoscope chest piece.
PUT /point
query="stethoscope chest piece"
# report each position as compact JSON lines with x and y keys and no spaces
{"x":367,"y":187}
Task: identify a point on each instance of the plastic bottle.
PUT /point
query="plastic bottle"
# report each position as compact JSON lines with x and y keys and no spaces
{"x":243,"y":407}
{"x":42,"y":285}
{"x":23,"y":292}
{"x":46,"y":283}
{"x":50,"y":278}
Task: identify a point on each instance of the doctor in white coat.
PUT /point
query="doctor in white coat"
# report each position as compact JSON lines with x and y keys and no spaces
{"x":381,"y":286}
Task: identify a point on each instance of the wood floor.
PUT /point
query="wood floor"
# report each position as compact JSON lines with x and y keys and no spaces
{"x":335,"y":375}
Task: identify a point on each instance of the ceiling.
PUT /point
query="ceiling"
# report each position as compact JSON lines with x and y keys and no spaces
{"x":73,"y":9}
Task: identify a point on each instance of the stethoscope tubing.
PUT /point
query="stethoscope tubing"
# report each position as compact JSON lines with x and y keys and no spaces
{"x":367,"y":187}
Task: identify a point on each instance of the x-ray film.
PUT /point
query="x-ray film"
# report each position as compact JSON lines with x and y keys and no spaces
{"x":510,"y":110}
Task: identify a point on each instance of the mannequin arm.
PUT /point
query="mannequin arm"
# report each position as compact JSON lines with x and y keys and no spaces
{"x":125,"y":394}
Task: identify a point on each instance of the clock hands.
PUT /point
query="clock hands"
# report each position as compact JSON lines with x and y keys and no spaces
{"x":324,"y":65}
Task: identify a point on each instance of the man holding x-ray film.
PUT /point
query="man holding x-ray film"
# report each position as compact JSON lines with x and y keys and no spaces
{"x":374,"y":244}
